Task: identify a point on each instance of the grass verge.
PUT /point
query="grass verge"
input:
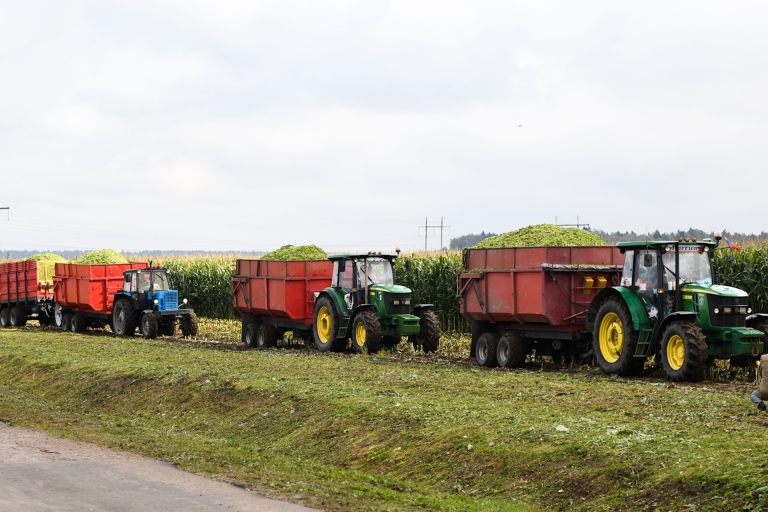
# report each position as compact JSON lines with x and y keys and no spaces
{"x":394,"y":431}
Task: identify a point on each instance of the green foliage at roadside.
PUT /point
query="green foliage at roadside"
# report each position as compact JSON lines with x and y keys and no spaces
{"x":343,"y":432}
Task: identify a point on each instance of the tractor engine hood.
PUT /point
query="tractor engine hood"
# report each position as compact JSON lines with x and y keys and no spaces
{"x":714,"y":289}
{"x":393,"y":288}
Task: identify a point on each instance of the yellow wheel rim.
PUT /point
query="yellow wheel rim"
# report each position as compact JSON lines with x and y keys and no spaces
{"x":360,"y":334}
{"x":675,"y":352}
{"x":611,"y":337}
{"x":324,"y":324}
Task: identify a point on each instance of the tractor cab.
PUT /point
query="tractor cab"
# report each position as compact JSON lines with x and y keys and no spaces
{"x":151,"y":289}
{"x":361,"y":278}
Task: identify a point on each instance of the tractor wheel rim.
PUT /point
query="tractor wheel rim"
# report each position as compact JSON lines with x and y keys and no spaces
{"x":676,"y":352}
{"x":324,"y":324}
{"x":611,"y":337}
{"x":360,"y":334}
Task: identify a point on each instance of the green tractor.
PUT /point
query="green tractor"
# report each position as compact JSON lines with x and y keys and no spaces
{"x":364,"y":303}
{"x":668,"y":306}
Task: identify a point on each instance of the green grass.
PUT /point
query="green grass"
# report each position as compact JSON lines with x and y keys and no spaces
{"x":398,"y":431}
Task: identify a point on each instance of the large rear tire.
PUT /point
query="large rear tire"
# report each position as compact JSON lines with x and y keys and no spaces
{"x":366,"y":332}
{"x":123,"y":317}
{"x":149,"y":326}
{"x":325,"y":324}
{"x":18,"y":317}
{"x":615,"y":339}
{"x":684,"y":352}
{"x":510,"y":351}
{"x":428,"y":338}
{"x":486,"y":349}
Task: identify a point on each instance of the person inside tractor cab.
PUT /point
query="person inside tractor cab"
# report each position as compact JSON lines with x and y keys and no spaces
{"x":647,"y":279}
{"x":144,"y":282}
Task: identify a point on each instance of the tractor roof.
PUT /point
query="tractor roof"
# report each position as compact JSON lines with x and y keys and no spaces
{"x":643,"y":244}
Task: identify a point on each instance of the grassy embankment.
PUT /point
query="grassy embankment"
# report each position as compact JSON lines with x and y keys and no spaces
{"x":394,"y":431}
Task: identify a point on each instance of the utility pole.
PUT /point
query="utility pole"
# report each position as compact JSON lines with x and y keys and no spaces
{"x":427,"y":227}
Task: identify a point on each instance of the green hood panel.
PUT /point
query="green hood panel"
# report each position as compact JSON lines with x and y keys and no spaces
{"x":714,"y":289}
{"x":395,"y":288}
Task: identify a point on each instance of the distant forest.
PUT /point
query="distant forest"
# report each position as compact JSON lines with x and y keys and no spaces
{"x":626,"y":236}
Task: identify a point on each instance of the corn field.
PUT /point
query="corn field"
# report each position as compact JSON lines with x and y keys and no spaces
{"x":747,"y":270}
{"x":206,"y":281}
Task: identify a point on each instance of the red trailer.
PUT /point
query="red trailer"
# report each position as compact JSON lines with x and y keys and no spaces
{"x":26,"y":290}
{"x":275,"y":297}
{"x":526,"y":298}
{"x":84,"y":293}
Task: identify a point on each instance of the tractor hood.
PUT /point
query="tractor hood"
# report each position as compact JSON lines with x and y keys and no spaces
{"x":394,"y":288}
{"x":715,"y":289}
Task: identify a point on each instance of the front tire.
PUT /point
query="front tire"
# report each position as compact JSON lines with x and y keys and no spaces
{"x":615,"y":339}
{"x":684,"y":352}
{"x":366,"y":332}
{"x":486,"y":349}
{"x":149,"y":326}
{"x":189,"y":325}
{"x":123,"y":317}
{"x":429,"y":337}
{"x":510,"y":351}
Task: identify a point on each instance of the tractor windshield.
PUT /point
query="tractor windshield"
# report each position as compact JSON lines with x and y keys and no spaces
{"x":379,"y":271}
{"x":695,"y":266}
{"x":160,"y":281}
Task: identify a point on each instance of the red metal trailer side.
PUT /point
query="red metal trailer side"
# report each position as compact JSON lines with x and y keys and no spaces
{"x":25,"y":289}
{"x":89,"y":288}
{"x":539,"y":294}
{"x":278,"y":296}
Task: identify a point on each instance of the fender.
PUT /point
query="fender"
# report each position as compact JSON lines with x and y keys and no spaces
{"x":640,"y":320}
{"x":757,"y":317}
{"x":672,"y":317}
{"x":420,"y":307}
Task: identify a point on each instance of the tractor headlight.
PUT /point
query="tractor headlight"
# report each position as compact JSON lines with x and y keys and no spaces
{"x":727,"y":310}
{"x":184,"y":301}
{"x":156,"y":301}
{"x":407,"y":302}
{"x":717,"y":311}
{"x":749,"y":311}
{"x":396,"y":302}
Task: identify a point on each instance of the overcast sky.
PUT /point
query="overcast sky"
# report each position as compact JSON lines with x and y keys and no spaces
{"x":245,"y":125}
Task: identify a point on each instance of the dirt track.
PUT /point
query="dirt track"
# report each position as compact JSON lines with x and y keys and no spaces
{"x":39,"y":472}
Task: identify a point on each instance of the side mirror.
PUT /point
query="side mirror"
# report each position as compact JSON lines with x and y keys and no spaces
{"x":407,"y":265}
{"x":730,"y":260}
{"x":342,"y":265}
{"x":647,"y":260}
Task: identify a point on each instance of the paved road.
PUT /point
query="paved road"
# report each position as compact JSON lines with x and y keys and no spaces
{"x":41,"y":473}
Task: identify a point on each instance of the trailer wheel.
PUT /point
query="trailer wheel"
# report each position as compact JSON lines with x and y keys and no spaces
{"x":78,"y":322}
{"x":510,"y":352}
{"x":57,"y":314}
{"x":486,"y":349}
{"x":250,"y":327}
{"x":325,"y":325}
{"x":149,"y":326}
{"x":123,"y":317}
{"x":614,"y":339}
{"x":684,"y":352}
{"x":66,"y":322}
{"x":167,"y":329}
{"x":429,"y":337}
{"x":18,"y":317}
{"x":266,"y":336}
{"x":4,"y":320}
{"x":366,"y":332}
{"x":189,"y":325}
{"x":478,"y":328}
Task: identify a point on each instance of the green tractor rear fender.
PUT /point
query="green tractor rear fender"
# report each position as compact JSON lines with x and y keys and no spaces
{"x":640,"y":320}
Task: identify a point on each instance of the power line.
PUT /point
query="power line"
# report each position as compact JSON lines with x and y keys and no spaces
{"x":427,"y":227}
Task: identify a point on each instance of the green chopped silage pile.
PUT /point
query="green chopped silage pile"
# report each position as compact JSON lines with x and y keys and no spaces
{"x":296,"y":252}
{"x":46,"y":265}
{"x":541,"y":235}
{"x":103,"y":257}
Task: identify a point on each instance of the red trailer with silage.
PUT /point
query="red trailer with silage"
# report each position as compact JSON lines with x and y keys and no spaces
{"x":85,"y":294}
{"x":26,"y":291}
{"x":533,"y":298}
{"x":274,"y":297}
